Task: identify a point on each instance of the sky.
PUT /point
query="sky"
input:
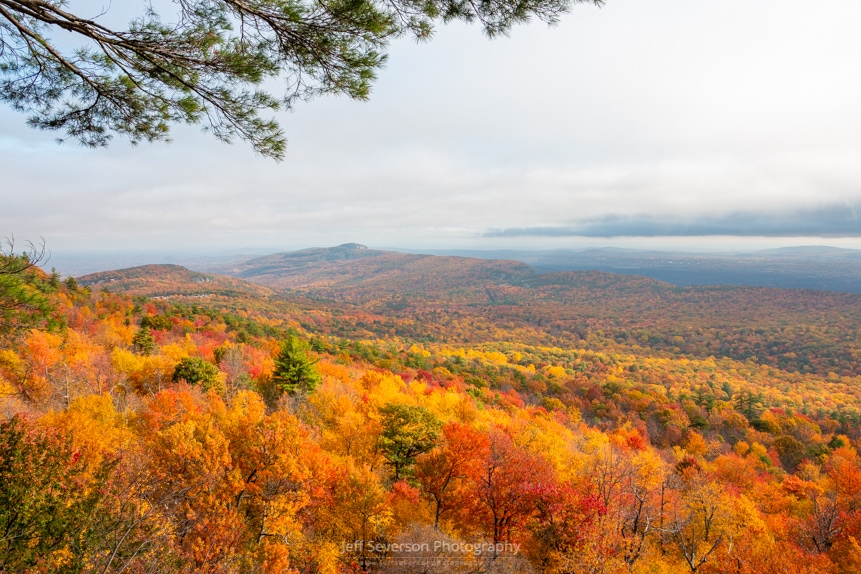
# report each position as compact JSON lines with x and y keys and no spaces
{"x":678,"y":124}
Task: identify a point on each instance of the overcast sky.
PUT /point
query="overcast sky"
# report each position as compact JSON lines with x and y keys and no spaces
{"x":672,"y":120}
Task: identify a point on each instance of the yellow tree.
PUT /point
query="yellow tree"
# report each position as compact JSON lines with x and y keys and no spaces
{"x":190,"y":458}
{"x":271,"y":455}
{"x":700,"y":521}
{"x":352,"y":511}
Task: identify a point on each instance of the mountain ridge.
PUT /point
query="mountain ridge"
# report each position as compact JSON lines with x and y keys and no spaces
{"x":171,"y":280}
{"x":379,"y":294}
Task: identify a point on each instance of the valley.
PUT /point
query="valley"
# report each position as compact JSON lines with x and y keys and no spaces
{"x":346,"y":409}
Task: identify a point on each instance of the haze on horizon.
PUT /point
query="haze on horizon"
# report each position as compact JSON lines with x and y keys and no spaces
{"x":664,"y":124}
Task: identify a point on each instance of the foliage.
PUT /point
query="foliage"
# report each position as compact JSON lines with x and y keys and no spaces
{"x":143,"y":341}
{"x":408,"y":431}
{"x":196,"y":371}
{"x":294,"y":370}
{"x":366,"y":294}
{"x":207,"y":62}
{"x":587,"y":460}
{"x":46,"y":498}
{"x":23,"y":300}
{"x":156,"y":323}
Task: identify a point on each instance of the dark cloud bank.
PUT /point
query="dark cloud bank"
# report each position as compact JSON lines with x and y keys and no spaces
{"x":829,"y":221}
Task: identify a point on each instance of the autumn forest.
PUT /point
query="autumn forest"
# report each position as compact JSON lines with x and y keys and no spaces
{"x":347,"y":410}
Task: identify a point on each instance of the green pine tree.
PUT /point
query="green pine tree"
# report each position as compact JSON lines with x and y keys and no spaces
{"x":143,"y":342}
{"x":295,"y":371}
{"x":197,"y":371}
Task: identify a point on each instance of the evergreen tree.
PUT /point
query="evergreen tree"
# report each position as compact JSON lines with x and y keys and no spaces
{"x":197,"y":371}
{"x":23,"y":300}
{"x":295,"y":371}
{"x":143,"y":342}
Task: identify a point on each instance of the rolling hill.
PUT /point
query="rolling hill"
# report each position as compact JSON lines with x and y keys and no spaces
{"x":186,"y":426}
{"x":352,"y":271}
{"x":166,"y":281}
{"x":355,"y":292}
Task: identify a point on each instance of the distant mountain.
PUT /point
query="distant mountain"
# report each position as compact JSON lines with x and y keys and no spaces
{"x":805,"y":267}
{"x":77,"y":263}
{"x":799,"y":267}
{"x":354,"y":272}
{"x":163,"y":281}
{"x":806,"y":251}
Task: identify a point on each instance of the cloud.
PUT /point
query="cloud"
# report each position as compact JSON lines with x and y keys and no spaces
{"x":661,"y":118}
{"x":828,"y":221}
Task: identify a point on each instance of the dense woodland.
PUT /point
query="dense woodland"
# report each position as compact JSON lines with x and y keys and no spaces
{"x":364,"y":294}
{"x":189,"y":423}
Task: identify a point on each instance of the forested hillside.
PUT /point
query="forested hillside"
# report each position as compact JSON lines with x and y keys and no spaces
{"x":194,"y":424}
{"x":355,"y":292}
{"x":172,"y":280}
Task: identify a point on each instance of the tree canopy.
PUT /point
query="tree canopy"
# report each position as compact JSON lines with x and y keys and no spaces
{"x":294,"y":370}
{"x":197,"y":371}
{"x":408,"y":431}
{"x":208,"y":61}
{"x":23,"y":303}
